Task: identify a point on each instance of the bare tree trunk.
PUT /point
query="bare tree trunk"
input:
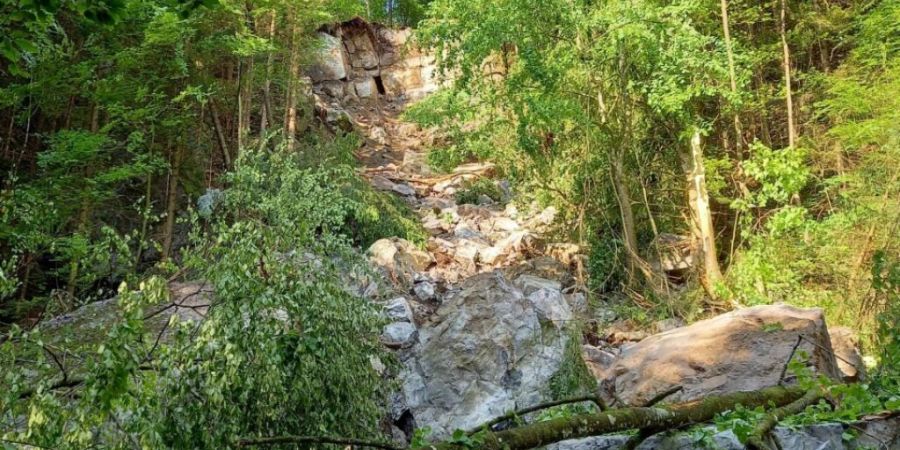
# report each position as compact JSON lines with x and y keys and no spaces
{"x":786,"y":63}
{"x":84,"y":215}
{"x":290,"y":107}
{"x":726,"y":30}
{"x":172,"y":203}
{"x":220,"y":133}
{"x":267,"y":112}
{"x":245,"y":88}
{"x":701,"y":215}
{"x":623,"y":197}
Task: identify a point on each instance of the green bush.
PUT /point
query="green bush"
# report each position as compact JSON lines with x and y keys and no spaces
{"x":286,"y":348}
{"x":471,"y":191}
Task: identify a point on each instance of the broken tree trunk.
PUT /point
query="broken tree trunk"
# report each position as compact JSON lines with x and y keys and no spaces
{"x":618,"y":420}
{"x":652,"y":419}
{"x":701,"y":215}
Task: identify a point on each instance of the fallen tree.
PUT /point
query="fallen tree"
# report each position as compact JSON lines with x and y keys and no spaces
{"x":655,"y":418}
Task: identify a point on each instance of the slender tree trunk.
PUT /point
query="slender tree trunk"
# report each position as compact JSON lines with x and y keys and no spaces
{"x":623,"y":196}
{"x":220,"y":133}
{"x":290,"y":107}
{"x":267,"y":112}
{"x":172,"y":203}
{"x":26,"y":278}
{"x":786,"y":63}
{"x":245,"y":86}
{"x":84,"y":214}
{"x":9,"y":135}
{"x":701,"y":215}
{"x":241,"y":126}
{"x":726,"y":30}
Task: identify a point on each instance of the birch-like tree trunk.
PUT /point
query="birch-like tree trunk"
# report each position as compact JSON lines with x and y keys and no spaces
{"x":726,"y":31}
{"x":290,"y":104}
{"x":786,"y":64}
{"x":172,"y":202}
{"x":701,"y":214}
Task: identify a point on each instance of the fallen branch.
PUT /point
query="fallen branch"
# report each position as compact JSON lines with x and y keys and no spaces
{"x":790,"y":357}
{"x":512,"y":415}
{"x":617,"y":420}
{"x":765,"y":426}
{"x":663,"y":395}
{"x":644,"y":434}
{"x":247,"y":442}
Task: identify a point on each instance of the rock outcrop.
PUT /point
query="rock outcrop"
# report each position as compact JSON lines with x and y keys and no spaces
{"x":361,"y":60}
{"x":743,"y":350}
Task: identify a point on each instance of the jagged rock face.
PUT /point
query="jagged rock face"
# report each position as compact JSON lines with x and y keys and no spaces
{"x":364,"y":60}
{"x":492,"y":347}
{"x":331,"y":63}
{"x":740,"y":351}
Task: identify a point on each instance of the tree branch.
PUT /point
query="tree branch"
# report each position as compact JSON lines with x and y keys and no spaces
{"x":246,"y":442}
{"x":512,"y":415}
{"x":617,"y":420}
{"x":765,"y":426}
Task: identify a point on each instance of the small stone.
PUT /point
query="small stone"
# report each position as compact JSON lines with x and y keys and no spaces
{"x":547,"y":215}
{"x":404,"y":189}
{"x":463,"y":231}
{"x":382,"y":253}
{"x":378,"y":135}
{"x":484,"y":200}
{"x":382,"y":183}
{"x":505,"y":224}
{"x":664,"y":325}
{"x":399,"y":335}
{"x":434,"y":225}
{"x":467,"y":255}
{"x":399,"y":310}
{"x":377,"y":365}
{"x":490,"y":255}
{"x":424,"y":291}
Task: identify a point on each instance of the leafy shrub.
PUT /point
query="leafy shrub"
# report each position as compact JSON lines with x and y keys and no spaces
{"x":470,"y":192}
{"x":285,"y":348}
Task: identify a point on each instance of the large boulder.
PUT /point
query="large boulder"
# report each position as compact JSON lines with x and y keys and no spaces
{"x":743,"y":350}
{"x":492,"y":347}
